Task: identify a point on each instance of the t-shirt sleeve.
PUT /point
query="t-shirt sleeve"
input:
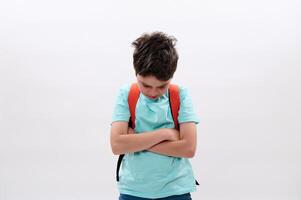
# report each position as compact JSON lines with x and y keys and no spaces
{"x":121,"y":110}
{"x":186,"y":112}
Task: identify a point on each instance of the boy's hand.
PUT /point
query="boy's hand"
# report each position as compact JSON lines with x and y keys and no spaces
{"x":131,"y":131}
{"x":173,"y":134}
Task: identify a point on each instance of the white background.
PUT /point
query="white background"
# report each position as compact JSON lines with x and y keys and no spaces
{"x":62,"y":63}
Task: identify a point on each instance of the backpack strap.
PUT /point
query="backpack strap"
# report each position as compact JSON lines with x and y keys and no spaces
{"x":132,"y":101}
{"x":120,"y":157}
{"x":174,"y":102}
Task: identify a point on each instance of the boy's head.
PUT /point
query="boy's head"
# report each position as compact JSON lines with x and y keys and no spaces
{"x":155,"y":61}
{"x":155,"y":55}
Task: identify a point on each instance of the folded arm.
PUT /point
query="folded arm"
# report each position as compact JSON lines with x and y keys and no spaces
{"x":184,"y":147}
{"x":122,"y":141}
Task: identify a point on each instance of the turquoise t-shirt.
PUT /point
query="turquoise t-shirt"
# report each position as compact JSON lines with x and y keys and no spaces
{"x":146,"y":174}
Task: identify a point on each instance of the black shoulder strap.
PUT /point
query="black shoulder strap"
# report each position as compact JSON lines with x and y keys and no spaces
{"x":118,"y":166}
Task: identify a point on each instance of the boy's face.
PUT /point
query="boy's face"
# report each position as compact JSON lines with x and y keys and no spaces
{"x":151,"y":87}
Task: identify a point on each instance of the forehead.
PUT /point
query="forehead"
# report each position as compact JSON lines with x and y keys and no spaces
{"x":151,"y":81}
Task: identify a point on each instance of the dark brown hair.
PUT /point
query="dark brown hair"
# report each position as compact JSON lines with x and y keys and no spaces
{"x":155,"y":55}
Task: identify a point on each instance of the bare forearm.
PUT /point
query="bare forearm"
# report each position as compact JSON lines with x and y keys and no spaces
{"x":129,"y":143}
{"x":184,"y":147}
{"x":173,"y":148}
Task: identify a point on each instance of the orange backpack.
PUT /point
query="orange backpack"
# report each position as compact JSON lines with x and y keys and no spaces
{"x":174,"y":102}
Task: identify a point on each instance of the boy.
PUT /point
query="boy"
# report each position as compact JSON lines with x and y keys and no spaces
{"x":155,"y":165}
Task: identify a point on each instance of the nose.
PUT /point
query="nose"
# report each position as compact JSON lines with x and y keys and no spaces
{"x":154,"y":92}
